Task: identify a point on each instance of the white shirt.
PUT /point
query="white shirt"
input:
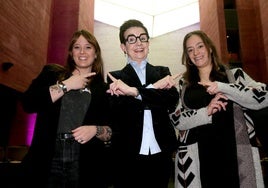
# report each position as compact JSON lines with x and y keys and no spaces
{"x":149,"y":144}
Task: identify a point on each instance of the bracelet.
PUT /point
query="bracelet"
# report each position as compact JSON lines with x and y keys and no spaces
{"x":99,"y":130}
{"x":109,"y":131}
{"x":62,"y":86}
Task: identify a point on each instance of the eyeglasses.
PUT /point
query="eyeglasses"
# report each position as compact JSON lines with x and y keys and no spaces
{"x":131,"y":39}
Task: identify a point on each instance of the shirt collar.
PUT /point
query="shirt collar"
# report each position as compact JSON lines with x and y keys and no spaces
{"x":135,"y":65}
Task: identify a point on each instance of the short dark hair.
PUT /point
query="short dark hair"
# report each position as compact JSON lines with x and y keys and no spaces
{"x":128,"y":24}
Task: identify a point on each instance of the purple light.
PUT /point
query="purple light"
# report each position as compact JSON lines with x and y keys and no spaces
{"x":30,"y":128}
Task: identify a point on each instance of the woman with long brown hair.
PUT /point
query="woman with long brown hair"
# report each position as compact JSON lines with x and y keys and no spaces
{"x":217,"y":141}
{"x":72,"y":122}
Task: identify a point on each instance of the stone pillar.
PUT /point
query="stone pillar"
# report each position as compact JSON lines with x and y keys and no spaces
{"x":213,"y":23}
{"x":252,"y":32}
{"x":67,"y":16}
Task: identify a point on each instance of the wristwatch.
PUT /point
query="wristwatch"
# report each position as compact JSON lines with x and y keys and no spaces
{"x":62,"y":86}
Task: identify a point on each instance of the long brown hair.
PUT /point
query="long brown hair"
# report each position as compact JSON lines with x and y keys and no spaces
{"x":191,"y":74}
{"x":98,"y":62}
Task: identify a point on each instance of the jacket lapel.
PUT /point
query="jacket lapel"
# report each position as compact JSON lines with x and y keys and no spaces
{"x":129,"y":76}
{"x":151,"y":74}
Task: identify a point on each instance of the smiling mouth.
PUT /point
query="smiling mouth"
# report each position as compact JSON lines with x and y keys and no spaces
{"x":82,"y":58}
{"x":139,"y":50}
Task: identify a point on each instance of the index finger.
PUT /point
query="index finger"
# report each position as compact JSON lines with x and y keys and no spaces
{"x":111,"y":77}
{"x":222,"y":96}
{"x":90,"y":74}
{"x":205,"y":84}
{"x":174,"y":77}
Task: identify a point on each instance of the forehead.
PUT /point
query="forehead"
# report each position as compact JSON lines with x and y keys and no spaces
{"x":193,"y":40}
{"x":81,"y":40}
{"x":134,"y":31}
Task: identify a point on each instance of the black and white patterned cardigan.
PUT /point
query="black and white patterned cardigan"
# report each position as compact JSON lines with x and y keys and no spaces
{"x":245,"y":91}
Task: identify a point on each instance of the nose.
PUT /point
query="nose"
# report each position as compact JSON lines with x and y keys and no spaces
{"x":138,"y":40}
{"x":196,"y":51}
{"x":82,"y":50}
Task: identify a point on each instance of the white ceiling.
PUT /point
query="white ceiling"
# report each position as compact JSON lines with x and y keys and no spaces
{"x":159,"y":16}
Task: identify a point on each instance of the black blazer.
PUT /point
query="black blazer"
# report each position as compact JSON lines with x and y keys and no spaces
{"x":127,"y":122}
{"x":36,"y":99}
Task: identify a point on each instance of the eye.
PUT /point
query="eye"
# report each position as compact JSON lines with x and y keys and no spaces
{"x":88,"y":47}
{"x":189,"y":50}
{"x":200,"y":46}
{"x":76,"y":47}
{"x":143,"y":38}
{"x":131,"y":39}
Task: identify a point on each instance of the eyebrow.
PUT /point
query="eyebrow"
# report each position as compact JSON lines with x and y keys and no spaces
{"x":136,"y":35}
{"x":195,"y":45}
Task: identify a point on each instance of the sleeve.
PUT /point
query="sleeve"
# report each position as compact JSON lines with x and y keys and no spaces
{"x":150,"y":97}
{"x":164,"y":98}
{"x":37,"y":97}
{"x":184,"y":118}
{"x":245,"y":91}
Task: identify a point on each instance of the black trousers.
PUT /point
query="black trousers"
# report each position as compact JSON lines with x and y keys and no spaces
{"x":143,"y":171}
{"x":65,"y":164}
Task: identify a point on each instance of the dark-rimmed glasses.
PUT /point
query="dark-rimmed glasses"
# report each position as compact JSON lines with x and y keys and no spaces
{"x":131,"y":39}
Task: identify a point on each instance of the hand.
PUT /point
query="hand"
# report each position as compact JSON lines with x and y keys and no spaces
{"x":106,"y":133}
{"x":166,"y":82}
{"x":78,"y":81}
{"x":118,"y":87}
{"x":217,"y":104}
{"x":212,"y":87}
{"x":84,"y":133}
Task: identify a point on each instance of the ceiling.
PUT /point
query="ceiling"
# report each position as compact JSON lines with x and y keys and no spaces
{"x":159,"y":16}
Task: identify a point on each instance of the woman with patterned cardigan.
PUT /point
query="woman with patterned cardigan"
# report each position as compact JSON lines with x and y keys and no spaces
{"x":217,"y":141}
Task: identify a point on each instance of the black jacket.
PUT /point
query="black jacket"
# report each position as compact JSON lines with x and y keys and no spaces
{"x":36,"y":99}
{"x":128,"y":111}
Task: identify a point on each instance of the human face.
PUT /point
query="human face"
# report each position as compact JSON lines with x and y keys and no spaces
{"x":137,"y":51}
{"x":83,"y":54}
{"x":198,"y":52}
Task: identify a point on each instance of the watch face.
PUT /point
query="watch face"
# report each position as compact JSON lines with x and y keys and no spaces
{"x":63,"y":87}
